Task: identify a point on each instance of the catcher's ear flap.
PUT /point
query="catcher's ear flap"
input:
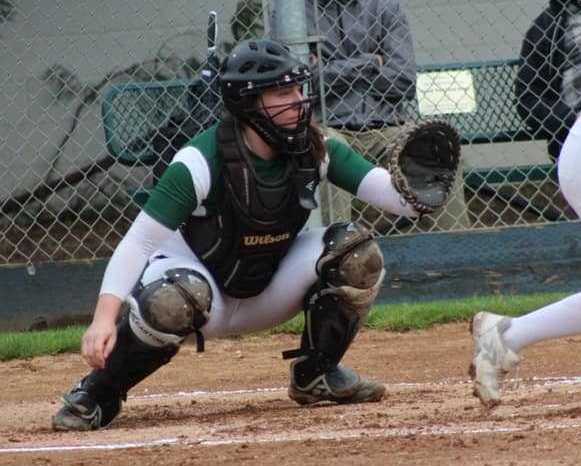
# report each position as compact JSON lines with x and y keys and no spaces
{"x":423,"y":161}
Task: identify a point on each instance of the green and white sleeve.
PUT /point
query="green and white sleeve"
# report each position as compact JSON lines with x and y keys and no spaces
{"x":349,"y":170}
{"x":185,"y":183}
{"x":183,"y":186}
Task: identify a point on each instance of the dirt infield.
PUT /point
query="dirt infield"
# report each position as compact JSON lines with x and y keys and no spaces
{"x":229,"y":406}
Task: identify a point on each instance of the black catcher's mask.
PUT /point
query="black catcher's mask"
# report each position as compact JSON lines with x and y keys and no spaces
{"x":254,"y":66}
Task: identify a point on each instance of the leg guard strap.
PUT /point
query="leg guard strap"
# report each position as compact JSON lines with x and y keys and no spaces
{"x":129,"y":363}
{"x":336,"y":307}
{"x":165,"y":311}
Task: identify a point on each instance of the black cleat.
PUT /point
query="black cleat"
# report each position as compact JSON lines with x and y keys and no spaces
{"x":340,"y":384}
{"x":80,"y":412}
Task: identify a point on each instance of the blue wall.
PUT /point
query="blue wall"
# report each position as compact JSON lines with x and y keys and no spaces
{"x":419,"y":268}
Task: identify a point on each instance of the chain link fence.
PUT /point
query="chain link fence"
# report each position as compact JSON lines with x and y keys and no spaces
{"x":94,"y":95}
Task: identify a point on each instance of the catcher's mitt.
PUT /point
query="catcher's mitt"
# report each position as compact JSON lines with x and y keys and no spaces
{"x":423,"y":160}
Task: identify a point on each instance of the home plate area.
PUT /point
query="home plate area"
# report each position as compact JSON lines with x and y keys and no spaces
{"x":229,"y":406}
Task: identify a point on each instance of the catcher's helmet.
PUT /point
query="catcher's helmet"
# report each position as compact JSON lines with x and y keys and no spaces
{"x":254,"y":66}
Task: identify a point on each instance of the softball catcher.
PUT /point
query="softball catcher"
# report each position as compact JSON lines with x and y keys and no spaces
{"x":220,"y":249}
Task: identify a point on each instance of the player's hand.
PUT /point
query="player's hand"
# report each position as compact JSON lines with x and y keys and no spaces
{"x":379,"y":60}
{"x":98,"y":342}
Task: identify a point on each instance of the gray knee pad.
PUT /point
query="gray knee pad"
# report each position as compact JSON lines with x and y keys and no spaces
{"x":167,"y":310}
{"x":351,"y":266}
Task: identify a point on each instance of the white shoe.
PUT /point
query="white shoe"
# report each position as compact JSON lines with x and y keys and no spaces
{"x":493,"y":360}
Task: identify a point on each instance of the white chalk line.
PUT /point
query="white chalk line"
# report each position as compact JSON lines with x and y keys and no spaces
{"x":323,"y":435}
{"x":386,"y":433}
{"x":204,"y":393}
{"x":534,"y":381}
{"x":105,"y":446}
{"x":463,"y":429}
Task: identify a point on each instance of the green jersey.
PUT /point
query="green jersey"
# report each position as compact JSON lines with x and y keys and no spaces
{"x":193,"y":183}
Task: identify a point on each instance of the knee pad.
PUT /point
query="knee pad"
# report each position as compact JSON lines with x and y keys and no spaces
{"x":351,"y":266}
{"x":350,"y":273}
{"x":167,"y":310}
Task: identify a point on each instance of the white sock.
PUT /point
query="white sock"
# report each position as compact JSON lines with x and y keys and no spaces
{"x":559,"y":319}
{"x":562,"y":318}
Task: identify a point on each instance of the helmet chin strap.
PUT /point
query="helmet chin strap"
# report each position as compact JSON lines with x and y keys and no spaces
{"x":298,"y":149}
{"x":285,"y":141}
{"x":295,"y":144}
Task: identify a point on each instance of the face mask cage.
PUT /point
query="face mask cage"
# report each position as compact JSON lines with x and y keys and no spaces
{"x":288,"y":140}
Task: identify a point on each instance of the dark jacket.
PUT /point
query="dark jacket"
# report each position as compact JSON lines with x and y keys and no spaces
{"x":359,"y":93}
{"x":538,"y":84}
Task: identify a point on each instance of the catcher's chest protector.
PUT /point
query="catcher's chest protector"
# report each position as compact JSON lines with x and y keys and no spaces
{"x":256,"y":223}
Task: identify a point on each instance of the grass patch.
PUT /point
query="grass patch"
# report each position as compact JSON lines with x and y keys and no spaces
{"x":21,"y":345}
{"x":417,"y":316}
{"x":395,"y":317}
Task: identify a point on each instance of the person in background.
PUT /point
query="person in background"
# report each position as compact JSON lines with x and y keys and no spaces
{"x":369,"y":75}
{"x":545,"y":55}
